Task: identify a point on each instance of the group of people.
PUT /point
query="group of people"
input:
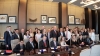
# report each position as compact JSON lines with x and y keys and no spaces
{"x":46,"y":38}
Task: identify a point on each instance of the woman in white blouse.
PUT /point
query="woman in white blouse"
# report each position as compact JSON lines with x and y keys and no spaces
{"x":31,"y":32}
{"x":63,"y":42}
{"x":26,"y":37}
{"x":38,"y":37}
{"x":92,"y":35}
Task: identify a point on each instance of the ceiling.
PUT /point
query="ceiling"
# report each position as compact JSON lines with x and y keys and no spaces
{"x":77,"y":3}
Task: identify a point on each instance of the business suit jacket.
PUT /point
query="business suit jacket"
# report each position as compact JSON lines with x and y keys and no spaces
{"x":42,"y":45}
{"x":80,"y":40}
{"x":21,"y":36}
{"x":7,"y":38}
{"x":18,"y":48}
{"x":15,"y":36}
{"x":62,"y":33}
{"x":53,"y":34}
{"x":29,"y":47}
{"x":85,"y":33}
{"x":53,"y":45}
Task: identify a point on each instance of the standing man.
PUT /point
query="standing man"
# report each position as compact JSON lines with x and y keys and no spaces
{"x":67,"y":34}
{"x":54,"y":33}
{"x":16,"y":35}
{"x":8,"y":37}
{"x":22,"y":34}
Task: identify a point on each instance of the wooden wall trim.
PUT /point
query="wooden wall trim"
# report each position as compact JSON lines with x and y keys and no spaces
{"x":88,"y":18}
{"x":63,"y":14}
{"x":22,"y":14}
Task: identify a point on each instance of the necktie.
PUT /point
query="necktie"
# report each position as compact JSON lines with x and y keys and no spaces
{"x":10,"y":33}
{"x":45,"y":44}
{"x":66,"y":34}
{"x":55,"y":43}
{"x":55,"y":32}
{"x":32,"y":44}
{"x":48,"y":35}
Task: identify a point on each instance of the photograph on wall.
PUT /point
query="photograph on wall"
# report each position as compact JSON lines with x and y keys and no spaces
{"x":71,"y":19}
{"x":52,"y":19}
{"x":3,"y":18}
{"x":12,"y":19}
{"x":44,"y":18}
{"x":77,"y":21}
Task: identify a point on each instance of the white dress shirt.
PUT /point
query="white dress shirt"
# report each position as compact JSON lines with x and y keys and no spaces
{"x":68,"y":34}
{"x":92,"y":36}
{"x":63,"y":43}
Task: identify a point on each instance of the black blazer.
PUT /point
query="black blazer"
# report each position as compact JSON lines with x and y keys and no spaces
{"x":29,"y":47}
{"x":53,"y":45}
{"x":17,"y":48}
{"x":7,"y":38}
{"x":15,"y":36}
{"x":60,"y":34}
{"x":21,"y":37}
{"x":42,"y":45}
{"x":53,"y":34}
{"x":80,"y":41}
{"x":88,"y":41}
{"x":85,"y":33}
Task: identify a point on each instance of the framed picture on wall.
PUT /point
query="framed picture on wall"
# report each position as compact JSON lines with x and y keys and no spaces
{"x":3,"y":18}
{"x":77,"y":21}
{"x":52,"y":19}
{"x":44,"y":18}
{"x":12,"y":19}
{"x":71,"y":19}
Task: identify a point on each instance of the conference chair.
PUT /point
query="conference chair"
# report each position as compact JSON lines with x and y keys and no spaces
{"x":14,"y":43}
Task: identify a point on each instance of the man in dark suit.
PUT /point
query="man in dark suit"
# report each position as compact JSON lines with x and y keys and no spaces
{"x":54,"y":43}
{"x":61,"y":33}
{"x":19,"y":48}
{"x":43,"y":44}
{"x":7,"y":37}
{"x":54,"y":33}
{"x":22,"y":34}
{"x":30,"y":45}
{"x":41,"y":31}
{"x":16,"y":35}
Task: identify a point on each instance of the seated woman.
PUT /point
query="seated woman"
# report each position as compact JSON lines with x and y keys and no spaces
{"x":73,"y":41}
{"x":19,"y":48}
{"x":63,"y":42}
{"x":81,"y":41}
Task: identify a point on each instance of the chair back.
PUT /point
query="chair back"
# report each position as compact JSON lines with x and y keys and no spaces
{"x":14,"y":43}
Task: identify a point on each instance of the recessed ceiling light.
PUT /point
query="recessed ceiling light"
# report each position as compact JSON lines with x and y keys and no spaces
{"x":72,"y":1}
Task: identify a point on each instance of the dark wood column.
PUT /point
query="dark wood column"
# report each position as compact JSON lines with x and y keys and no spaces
{"x":98,"y":13}
{"x":95,"y":20}
{"x":88,"y":18}
{"x":63,"y":14}
{"x":22,"y":14}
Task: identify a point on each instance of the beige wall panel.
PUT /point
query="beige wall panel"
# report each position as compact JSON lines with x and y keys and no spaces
{"x":77,"y":11}
{"x":39,"y":26}
{"x":9,"y":7}
{"x":3,"y":28}
{"x":37,"y":8}
{"x":79,"y":26}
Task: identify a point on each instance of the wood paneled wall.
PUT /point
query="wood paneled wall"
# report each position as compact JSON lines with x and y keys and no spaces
{"x":37,"y":8}
{"x":9,"y":7}
{"x":77,"y":11}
